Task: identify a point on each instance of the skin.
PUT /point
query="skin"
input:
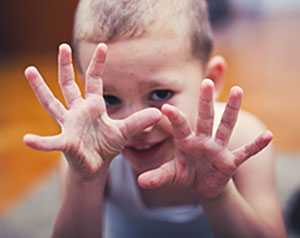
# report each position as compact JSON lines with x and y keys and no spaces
{"x":191,"y":155}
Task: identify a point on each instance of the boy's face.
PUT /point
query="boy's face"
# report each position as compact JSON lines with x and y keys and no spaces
{"x":149,"y":72}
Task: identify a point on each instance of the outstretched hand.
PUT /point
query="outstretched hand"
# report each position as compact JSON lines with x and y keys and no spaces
{"x":202,"y":161}
{"x":89,"y":138}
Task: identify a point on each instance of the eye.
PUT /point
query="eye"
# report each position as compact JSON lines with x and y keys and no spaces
{"x":161,"y":95}
{"x":111,"y":100}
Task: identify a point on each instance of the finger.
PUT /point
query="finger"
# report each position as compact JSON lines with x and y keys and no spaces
{"x":245,"y":152}
{"x":52,"y":105}
{"x":162,"y":176}
{"x":230,"y":116}
{"x":180,"y":126}
{"x":205,"y":119}
{"x":93,"y":84}
{"x":139,"y":121}
{"x":44,"y":143}
{"x":66,"y":76}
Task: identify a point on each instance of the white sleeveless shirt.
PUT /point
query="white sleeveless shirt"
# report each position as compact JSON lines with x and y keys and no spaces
{"x":124,"y":207}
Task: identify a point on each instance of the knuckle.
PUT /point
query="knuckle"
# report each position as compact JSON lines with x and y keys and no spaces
{"x":93,"y":74}
{"x":71,"y":145}
{"x":124,"y":132}
{"x":221,"y":137}
{"x":39,"y":87}
{"x":66,"y":81}
{"x":232,"y":107}
{"x":51,"y":105}
{"x":249,"y":149}
{"x":227,"y":123}
{"x":186,"y":143}
{"x":113,"y":141}
{"x":94,"y":104}
{"x":207,"y":144}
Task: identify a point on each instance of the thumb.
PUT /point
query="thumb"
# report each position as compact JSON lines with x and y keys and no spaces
{"x":156,"y":178}
{"x":139,"y":121}
{"x":44,"y":143}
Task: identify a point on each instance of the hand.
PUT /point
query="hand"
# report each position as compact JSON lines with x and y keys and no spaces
{"x":203,"y":162}
{"x":89,"y":138}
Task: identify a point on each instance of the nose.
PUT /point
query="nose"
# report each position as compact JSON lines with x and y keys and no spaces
{"x":129,"y":109}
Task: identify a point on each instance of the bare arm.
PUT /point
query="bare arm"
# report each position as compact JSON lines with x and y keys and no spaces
{"x":250,"y":202}
{"x":254,"y":187}
{"x":231,"y":215}
{"x":81,"y":212}
{"x":89,"y":140}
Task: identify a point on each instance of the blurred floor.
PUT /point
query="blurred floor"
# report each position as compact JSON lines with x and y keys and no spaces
{"x":262,"y":58}
{"x":21,"y":167}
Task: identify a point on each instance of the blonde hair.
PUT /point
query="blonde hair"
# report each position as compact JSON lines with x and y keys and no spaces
{"x":110,"y":20}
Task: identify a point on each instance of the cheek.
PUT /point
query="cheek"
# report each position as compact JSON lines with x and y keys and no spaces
{"x":114,"y":113}
{"x":187,"y":103}
{"x":189,"y":107}
{"x":190,"y":113}
{"x":192,"y":118}
{"x":120,"y":112}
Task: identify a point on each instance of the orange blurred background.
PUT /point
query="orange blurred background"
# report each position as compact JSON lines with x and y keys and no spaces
{"x":30,"y":34}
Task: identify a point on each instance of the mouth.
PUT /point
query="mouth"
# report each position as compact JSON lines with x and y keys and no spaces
{"x":145,"y":150}
{"x":141,"y":148}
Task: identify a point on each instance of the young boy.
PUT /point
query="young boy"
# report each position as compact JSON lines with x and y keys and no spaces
{"x":145,"y":139}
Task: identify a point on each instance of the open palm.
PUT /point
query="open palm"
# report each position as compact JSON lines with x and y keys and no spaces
{"x":202,"y":161}
{"x":89,"y":138}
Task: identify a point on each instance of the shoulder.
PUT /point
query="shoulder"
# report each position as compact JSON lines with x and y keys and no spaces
{"x":247,"y":127}
{"x":260,"y":168}
{"x":255,"y":178}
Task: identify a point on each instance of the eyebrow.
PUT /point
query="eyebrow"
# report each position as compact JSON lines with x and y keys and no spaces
{"x":162,"y":81}
{"x":151,"y":82}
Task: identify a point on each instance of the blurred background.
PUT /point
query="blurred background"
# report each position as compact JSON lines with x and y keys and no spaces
{"x":259,"y":38}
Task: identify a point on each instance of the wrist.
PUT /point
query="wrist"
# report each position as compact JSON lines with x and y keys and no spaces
{"x":76,"y":179}
{"x":87,"y":192}
{"x":226,"y":193}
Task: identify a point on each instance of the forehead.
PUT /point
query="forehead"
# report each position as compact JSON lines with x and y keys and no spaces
{"x":159,"y":60}
{"x":155,"y":51}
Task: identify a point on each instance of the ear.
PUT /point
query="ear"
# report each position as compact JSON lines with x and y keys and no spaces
{"x":215,"y":71}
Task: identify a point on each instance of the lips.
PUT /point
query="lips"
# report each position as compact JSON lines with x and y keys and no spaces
{"x":145,"y":156}
{"x":144,"y":147}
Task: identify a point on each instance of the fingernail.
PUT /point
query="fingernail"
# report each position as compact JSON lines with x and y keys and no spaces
{"x":102,"y":46}
{"x":29,"y":71}
{"x":269,"y":134}
{"x":237,"y":89}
